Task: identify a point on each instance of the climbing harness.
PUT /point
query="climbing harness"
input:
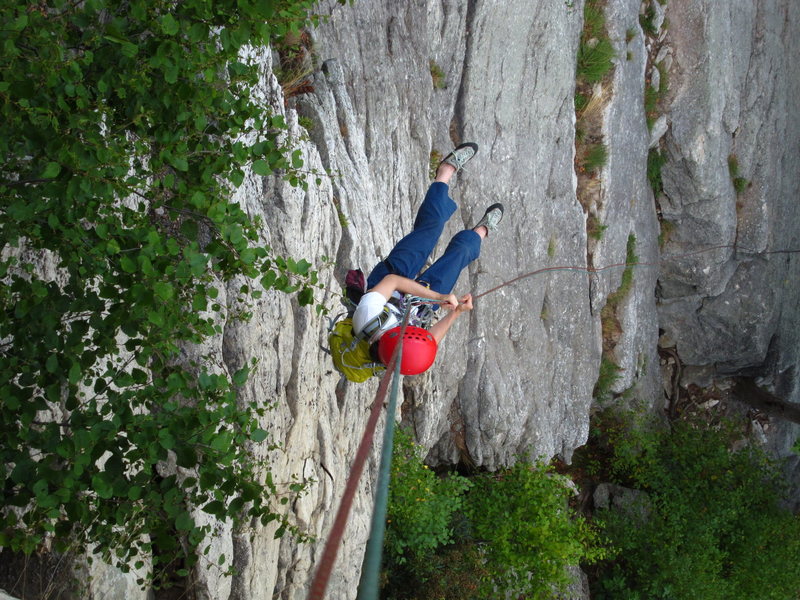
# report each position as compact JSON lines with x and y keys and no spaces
{"x":352,"y":354}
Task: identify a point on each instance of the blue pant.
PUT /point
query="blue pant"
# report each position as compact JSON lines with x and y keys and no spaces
{"x":409,"y":254}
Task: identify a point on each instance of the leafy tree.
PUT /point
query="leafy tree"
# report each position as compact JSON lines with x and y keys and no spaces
{"x":712,"y":527}
{"x":124,"y":128}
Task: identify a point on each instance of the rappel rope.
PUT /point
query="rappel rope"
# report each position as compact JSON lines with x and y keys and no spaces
{"x":370,"y":571}
{"x":320,"y":582}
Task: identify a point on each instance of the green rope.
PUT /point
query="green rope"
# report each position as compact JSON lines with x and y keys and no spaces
{"x":373,"y":554}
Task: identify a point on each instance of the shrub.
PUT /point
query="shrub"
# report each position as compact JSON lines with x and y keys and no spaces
{"x":527,"y":532}
{"x":715,"y":528}
{"x":421,"y":504}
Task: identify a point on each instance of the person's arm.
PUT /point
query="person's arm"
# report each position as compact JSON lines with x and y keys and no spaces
{"x":441,"y":327}
{"x":404,"y":285}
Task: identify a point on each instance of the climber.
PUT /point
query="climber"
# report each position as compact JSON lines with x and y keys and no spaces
{"x":376,"y":316}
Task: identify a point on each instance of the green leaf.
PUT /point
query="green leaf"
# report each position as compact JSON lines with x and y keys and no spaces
{"x":74,"y":373}
{"x":163,"y":290}
{"x":240,"y":377}
{"x":258,"y":435}
{"x":169,"y":25}
{"x":128,"y":264}
{"x":51,"y":170}
{"x":261,"y":167}
{"x":20,"y":23}
{"x":102,"y":486}
{"x":179,"y":162}
{"x":52,"y":363}
{"x":184,"y":521}
{"x":297,"y":159}
{"x":305,"y":297}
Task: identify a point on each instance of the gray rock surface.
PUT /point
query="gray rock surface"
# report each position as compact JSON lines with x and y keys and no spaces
{"x":510,"y":89}
{"x":734,"y":82}
{"x":627,"y":208}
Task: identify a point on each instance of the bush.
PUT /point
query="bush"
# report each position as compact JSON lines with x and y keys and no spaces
{"x":421,"y":504}
{"x":513,"y":530}
{"x":527,"y":532}
{"x":715,"y":528}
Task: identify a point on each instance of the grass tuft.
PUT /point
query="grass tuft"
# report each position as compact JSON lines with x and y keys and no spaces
{"x":740,"y":184}
{"x":437,"y":76}
{"x":594,"y":59}
{"x":596,"y":158}
{"x":594,"y":228}
{"x":655,"y":161}
{"x":606,"y":378}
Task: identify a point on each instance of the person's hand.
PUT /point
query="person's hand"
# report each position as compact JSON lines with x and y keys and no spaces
{"x":449,"y":301}
{"x":465,"y":304}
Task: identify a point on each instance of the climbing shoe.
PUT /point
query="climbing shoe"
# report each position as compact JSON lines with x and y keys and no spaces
{"x":492,"y":217}
{"x":459,"y":157}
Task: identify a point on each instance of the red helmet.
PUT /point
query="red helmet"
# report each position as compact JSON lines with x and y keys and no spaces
{"x":419,"y":349}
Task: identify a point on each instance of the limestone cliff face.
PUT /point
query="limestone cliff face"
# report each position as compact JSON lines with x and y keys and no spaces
{"x":515,"y":375}
{"x":734,"y":83}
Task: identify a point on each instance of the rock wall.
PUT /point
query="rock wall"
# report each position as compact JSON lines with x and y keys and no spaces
{"x":498,"y":382}
{"x":733,"y":310}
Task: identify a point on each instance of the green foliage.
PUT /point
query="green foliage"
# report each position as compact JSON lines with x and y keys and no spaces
{"x":595,"y":50}
{"x":595,"y":158}
{"x":515,"y":531}
{"x":740,"y":184}
{"x":581,"y":100}
{"x":653,"y":96}
{"x":647,"y":20}
{"x":434,"y":161}
{"x":712,"y":527}
{"x":527,"y":532}
{"x":631,"y":259}
{"x":594,"y":59}
{"x":610,"y":323}
{"x":594,"y":228}
{"x":306,"y":123}
{"x":124,"y":129}
{"x":655,"y":162}
{"x":667,"y":228}
{"x":594,"y":21}
{"x":606,"y":378}
{"x":421,"y":504}
{"x":437,"y":76}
